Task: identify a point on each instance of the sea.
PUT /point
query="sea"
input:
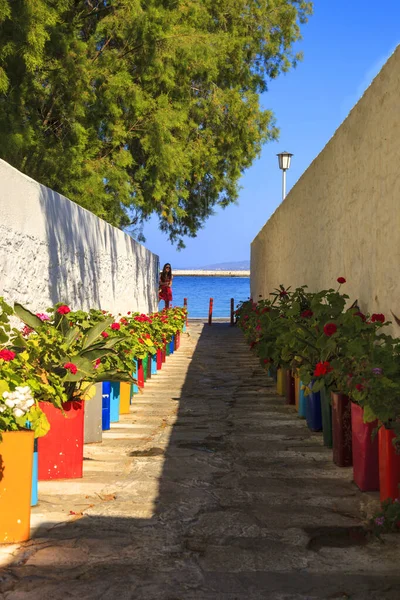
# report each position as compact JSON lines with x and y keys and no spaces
{"x":199,"y":290}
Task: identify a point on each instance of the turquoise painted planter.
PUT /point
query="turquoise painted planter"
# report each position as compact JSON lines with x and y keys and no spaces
{"x":154,"y":364}
{"x":184,"y":328}
{"x":302,"y":402}
{"x":114,"y":402}
{"x":34,"y":494}
{"x":135,"y":388}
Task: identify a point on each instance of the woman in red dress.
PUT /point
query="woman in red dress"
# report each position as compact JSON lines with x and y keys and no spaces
{"x":165,"y":291}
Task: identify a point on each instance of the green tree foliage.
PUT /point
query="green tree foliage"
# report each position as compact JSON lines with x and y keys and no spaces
{"x":134,"y":107}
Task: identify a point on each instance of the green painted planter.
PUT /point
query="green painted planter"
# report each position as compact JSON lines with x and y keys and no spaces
{"x":167,"y":349}
{"x":326,"y":412}
{"x":145,"y":361}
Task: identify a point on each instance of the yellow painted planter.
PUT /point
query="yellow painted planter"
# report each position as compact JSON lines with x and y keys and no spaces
{"x":16,"y":460}
{"x":125,"y":398}
{"x":297,"y":390}
{"x":280,"y":381}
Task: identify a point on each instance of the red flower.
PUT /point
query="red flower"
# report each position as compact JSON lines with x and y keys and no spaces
{"x":322,"y":368}
{"x":148,"y":336}
{"x":359,"y":387}
{"x":71,"y":368}
{"x":141,"y":341}
{"x":283,"y":293}
{"x":265,"y":310}
{"x":378,"y":318}
{"x":104,"y":334}
{"x":7,"y":355}
{"x":267,"y":360}
{"x":341,"y":280}
{"x":306,"y":314}
{"x":129,"y":312}
{"x":63,"y":309}
{"x":330,"y":329}
{"x":115,"y":326}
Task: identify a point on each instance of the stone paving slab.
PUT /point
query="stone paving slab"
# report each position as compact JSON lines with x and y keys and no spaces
{"x":210,"y":489}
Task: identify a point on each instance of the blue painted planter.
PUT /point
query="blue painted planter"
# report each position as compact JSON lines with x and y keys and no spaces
{"x":106,"y":392}
{"x":313,"y":412}
{"x":154,"y":364}
{"x":135,"y":388}
{"x":302,"y":403}
{"x":34,"y":493}
{"x":172,"y":345}
{"x":114,"y":402}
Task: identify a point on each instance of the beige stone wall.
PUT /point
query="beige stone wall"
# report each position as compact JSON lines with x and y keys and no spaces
{"x":342,"y":218}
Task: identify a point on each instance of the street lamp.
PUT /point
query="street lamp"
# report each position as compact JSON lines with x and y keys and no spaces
{"x":284,"y":159}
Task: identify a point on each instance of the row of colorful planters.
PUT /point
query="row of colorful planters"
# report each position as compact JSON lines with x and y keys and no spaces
{"x":376,"y":465}
{"x":59,"y":455}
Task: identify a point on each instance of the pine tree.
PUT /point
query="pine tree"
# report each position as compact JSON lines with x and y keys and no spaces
{"x":135,"y":107}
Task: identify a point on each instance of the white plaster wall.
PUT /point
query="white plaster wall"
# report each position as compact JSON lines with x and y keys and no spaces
{"x":53,"y":250}
{"x":342,"y":218}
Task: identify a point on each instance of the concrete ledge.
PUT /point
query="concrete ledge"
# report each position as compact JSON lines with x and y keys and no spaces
{"x":194,"y":273}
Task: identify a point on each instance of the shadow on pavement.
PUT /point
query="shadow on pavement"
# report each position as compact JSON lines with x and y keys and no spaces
{"x":249,"y":507}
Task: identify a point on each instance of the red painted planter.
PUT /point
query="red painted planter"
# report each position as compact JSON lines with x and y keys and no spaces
{"x":341,"y":430}
{"x":365,"y":451}
{"x":290,"y":392}
{"x":140,"y":374}
{"x":389,"y":465}
{"x":177,"y":340}
{"x":164,"y":353}
{"x":60,"y":452}
{"x":159,"y":359}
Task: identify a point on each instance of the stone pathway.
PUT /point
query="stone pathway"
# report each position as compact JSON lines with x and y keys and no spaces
{"x":211,"y":489}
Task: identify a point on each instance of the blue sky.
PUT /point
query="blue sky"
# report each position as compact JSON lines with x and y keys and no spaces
{"x":345,"y":44}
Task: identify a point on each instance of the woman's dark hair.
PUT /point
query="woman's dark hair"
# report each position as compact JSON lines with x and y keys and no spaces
{"x":165,"y":274}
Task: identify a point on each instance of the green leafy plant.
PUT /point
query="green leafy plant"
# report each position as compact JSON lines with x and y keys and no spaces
{"x":64,"y":356}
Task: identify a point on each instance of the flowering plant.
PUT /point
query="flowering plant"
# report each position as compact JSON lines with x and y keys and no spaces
{"x":387,"y":520}
{"x":63,"y":355}
{"x":18,"y":406}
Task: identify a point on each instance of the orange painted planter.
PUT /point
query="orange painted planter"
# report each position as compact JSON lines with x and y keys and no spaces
{"x":16,"y":460}
{"x":124,"y":398}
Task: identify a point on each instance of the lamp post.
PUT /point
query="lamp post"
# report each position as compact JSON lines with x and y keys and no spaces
{"x":284,"y":159}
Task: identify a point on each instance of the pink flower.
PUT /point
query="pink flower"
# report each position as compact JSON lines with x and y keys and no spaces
{"x":71,"y":368}
{"x":63,"y":309}
{"x":43,"y":316}
{"x":7,"y":355}
{"x":26,"y":330}
{"x":97,"y":363}
{"x":104,"y":334}
{"x":115,"y":326}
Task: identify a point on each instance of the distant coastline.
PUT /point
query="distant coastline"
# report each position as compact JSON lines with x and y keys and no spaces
{"x":204,"y":273}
